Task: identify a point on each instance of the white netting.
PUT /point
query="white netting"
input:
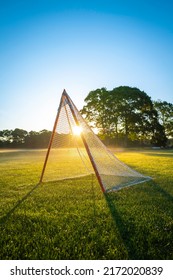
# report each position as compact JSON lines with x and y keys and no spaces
{"x":68,"y":157}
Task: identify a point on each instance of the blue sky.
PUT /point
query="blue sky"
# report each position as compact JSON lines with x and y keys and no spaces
{"x":49,"y":45}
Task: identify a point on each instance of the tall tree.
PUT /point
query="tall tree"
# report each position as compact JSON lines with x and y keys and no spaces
{"x":165,"y":115}
{"x":19,"y":135}
{"x":96,"y":110}
{"x":135,"y":111}
{"x":122,"y":111}
{"x":6,"y":137}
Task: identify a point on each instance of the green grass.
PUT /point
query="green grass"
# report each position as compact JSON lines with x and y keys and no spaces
{"x":74,"y":220}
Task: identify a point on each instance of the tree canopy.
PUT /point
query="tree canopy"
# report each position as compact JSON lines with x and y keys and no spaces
{"x":125,"y":115}
{"x":165,"y":116}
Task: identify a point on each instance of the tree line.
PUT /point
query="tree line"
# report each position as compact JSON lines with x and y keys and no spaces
{"x":127,"y":116}
{"x":20,"y":138}
{"x":124,"y":116}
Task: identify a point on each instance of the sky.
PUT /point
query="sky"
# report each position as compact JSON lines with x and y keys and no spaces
{"x":47,"y":46}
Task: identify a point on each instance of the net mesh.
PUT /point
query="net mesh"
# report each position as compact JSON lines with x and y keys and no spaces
{"x":69,"y":158}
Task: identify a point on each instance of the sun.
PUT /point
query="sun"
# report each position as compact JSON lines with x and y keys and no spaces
{"x":77,"y":130}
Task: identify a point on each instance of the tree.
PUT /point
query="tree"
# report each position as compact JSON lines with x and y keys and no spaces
{"x":19,"y":136}
{"x":122,"y":112}
{"x":135,"y":111}
{"x":96,"y":109}
{"x":37,"y":139}
{"x":159,"y":138}
{"x":6,"y":138}
{"x":165,"y":115}
{"x":23,"y":139}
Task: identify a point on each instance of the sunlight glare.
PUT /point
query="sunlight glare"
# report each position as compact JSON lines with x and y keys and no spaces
{"x":77,"y":130}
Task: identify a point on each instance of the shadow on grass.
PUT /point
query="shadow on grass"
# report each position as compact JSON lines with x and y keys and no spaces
{"x":136,"y":241}
{"x":5,"y":218}
{"x":156,"y":189}
{"x":122,"y":226}
{"x":164,"y":193}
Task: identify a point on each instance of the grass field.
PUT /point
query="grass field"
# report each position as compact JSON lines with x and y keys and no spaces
{"x":75,"y":220}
